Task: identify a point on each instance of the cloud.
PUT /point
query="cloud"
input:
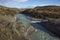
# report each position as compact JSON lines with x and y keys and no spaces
{"x":11,"y":2}
{"x":37,"y":5}
{"x":21,"y":0}
{"x":4,"y":1}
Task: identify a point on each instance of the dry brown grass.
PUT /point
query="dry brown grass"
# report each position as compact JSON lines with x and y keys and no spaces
{"x":8,"y":31}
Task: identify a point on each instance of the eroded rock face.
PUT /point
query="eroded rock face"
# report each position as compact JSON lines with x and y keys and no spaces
{"x":54,"y":28}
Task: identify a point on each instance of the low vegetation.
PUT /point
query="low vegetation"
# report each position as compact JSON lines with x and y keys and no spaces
{"x":9,"y":32}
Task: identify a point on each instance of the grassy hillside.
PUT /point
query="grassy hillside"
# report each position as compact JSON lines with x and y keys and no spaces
{"x":44,"y":11}
{"x":8,"y":24}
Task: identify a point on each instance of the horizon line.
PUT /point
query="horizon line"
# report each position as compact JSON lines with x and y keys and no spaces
{"x":29,"y":6}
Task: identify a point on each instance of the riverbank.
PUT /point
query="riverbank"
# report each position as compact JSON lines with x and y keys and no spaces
{"x":8,"y":28}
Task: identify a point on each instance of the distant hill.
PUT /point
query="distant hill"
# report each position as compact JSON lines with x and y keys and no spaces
{"x":48,"y":8}
{"x":9,"y":11}
{"x":44,"y":11}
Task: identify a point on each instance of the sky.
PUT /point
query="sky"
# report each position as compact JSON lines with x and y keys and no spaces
{"x":28,"y":3}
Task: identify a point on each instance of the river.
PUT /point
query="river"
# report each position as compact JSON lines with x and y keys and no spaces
{"x":41,"y":33}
